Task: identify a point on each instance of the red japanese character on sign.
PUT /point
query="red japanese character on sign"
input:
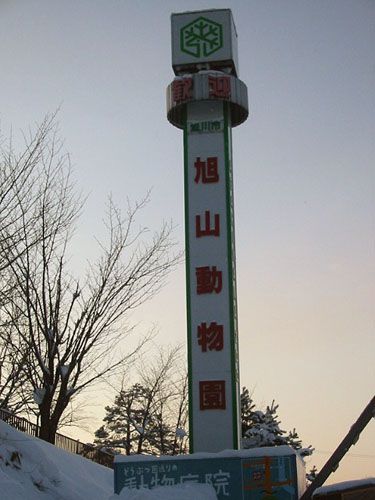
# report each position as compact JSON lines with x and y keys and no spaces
{"x":209,"y":280}
{"x":182,"y":89}
{"x":212,"y":395}
{"x":219,"y":86}
{"x":206,"y":171}
{"x":211,"y":337}
{"x":207,"y":230}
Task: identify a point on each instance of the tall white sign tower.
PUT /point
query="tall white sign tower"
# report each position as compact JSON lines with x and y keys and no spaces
{"x":206,"y":99}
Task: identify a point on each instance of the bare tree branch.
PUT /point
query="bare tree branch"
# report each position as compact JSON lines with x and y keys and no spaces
{"x":69,"y":331}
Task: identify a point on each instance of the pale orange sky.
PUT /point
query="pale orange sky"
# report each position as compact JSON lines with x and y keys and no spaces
{"x":303,"y":176}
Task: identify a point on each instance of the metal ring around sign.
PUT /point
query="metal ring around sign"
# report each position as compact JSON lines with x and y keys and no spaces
{"x":206,"y":86}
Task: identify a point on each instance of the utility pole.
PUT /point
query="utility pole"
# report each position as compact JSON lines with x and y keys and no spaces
{"x":350,"y":439}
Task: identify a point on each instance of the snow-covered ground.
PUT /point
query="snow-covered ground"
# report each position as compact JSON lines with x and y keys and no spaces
{"x":31,"y":469}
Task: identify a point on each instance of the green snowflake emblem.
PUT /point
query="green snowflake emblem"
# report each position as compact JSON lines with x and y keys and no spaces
{"x":201,"y":37}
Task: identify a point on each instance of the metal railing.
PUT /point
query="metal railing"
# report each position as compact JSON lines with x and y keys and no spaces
{"x":66,"y":443}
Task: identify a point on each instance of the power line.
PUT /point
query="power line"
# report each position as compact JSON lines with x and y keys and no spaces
{"x":356,"y":455}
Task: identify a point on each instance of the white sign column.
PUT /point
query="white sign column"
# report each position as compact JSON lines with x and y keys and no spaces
{"x":206,"y":99}
{"x":210,"y":271}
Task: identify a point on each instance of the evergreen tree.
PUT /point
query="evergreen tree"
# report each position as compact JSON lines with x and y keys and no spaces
{"x":141,"y":421}
{"x":263,"y":428}
{"x":150,"y":416}
{"x":311,"y":475}
{"x":293,"y":440}
{"x":136,"y":424}
{"x":124,"y":422}
{"x":247,"y":410}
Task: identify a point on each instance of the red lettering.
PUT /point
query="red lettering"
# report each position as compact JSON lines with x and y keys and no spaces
{"x":211,"y":337}
{"x":209,"y":280}
{"x":206,"y":171}
{"x":219,"y":86}
{"x":212,"y":395}
{"x":207,"y":230}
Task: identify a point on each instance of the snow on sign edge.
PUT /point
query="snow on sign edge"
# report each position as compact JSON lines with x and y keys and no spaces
{"x":269,"y":451}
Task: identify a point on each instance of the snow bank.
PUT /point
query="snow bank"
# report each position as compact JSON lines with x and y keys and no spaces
{"x":186,"y":491}
{"x":33,"y":469}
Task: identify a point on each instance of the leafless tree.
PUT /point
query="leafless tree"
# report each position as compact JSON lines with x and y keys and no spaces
{"x":150,"y":415}
{"x":73,"y":329}
{"x":20,"y":195}
{"x":13,"y":395}
{"x":18,"y":181}
{"x":166,"y":380}
{"x":181,"y":403}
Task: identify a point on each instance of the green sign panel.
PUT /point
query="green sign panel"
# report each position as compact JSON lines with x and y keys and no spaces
{"x":202,"y":37}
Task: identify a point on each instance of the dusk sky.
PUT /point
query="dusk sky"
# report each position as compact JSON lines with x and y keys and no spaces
{"x":304,"y":180}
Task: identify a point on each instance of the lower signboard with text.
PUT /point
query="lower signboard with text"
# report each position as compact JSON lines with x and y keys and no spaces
{"x":233,"y":475}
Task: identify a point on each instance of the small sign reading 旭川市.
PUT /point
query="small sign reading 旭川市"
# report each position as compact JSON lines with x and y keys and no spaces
{"x":202,"y":127}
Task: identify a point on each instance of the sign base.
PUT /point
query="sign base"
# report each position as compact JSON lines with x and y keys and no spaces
{"x":255,"y":474}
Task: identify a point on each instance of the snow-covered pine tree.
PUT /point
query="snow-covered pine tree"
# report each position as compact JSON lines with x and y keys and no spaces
{"x":263,"y":428}
{"x":295,"y":442}
{"x":311,"y":475}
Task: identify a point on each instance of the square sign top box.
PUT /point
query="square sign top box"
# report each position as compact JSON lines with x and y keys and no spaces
{"x":205,"y":39}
